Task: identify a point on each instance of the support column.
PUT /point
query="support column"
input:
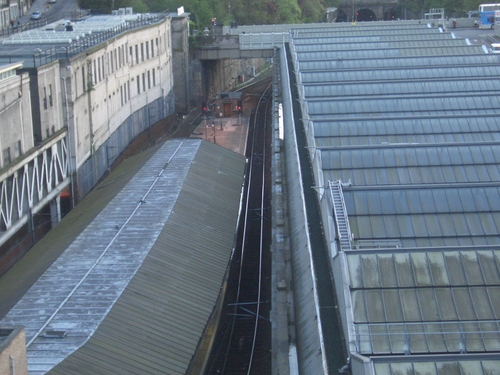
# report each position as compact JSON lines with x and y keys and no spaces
{"x":55,"y":211}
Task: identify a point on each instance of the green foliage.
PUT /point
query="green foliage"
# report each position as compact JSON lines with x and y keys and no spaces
{"x":259,"y":12}
{"x":312,"y":10}
{"x":245,"y":12}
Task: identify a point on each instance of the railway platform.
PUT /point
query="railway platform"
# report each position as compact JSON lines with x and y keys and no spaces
{"x":228,"y":132}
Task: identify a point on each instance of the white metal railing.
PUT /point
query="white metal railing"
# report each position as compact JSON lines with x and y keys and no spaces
{"x":30,"y":181}
{"x":263,"y":40}
{"x":427,"y":337}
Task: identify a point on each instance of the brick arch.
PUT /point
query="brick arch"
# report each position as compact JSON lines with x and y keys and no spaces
{"x":380,"y":8}
{"x":365,"y":14}
{"x":390,"y":15}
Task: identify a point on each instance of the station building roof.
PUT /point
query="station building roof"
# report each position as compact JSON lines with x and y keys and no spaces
{"x":135,"y":288}
{"x":410,"y":126}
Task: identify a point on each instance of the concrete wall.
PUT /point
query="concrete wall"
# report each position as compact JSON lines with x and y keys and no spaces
{"x":113,"y":92}
{"x":226,"y":75}
{"x":16,"y":134}
{"x":13,"y":351}
{"x":180,"y":57}
{"x":49,"y":96}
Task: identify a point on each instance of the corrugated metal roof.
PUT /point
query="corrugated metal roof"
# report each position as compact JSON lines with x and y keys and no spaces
{"x":139,"y":284}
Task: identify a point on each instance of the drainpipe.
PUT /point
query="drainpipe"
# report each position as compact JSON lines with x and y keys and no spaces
{"x":72,"y":161}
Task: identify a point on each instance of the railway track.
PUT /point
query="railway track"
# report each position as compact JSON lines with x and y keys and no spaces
{"x":243,"y":340}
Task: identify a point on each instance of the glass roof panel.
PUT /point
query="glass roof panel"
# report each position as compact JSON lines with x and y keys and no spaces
{"x":447,"y":226}
{"x":430,"y":312}
{"x":378,"y":226}
{"x":375,"y":309}
{"x":411,"y":305}
{"x":463,"y":303}
{"x":404,"y":270}
{"x":421,"y":269}
{"x":392,"y":306}
{"x":370,"y":270}
{"x":388,"y":274}
{"x":455,"y":268}
{"x":438,"y":269}
{"x":481,"y":303}
{"x":359,"y":306}
{"x":391,"y":225}
{"x":405,"y":226}
{"x":446,"y":304}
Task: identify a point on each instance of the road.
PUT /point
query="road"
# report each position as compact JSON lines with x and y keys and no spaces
{"x":62,"y":9}
{"x":476,"y":36}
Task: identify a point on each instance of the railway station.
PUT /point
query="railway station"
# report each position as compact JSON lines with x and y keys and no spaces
{"x":401,"y":136}
{"x":385,"y":253}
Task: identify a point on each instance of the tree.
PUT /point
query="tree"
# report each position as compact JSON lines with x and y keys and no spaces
{"x":312,"y":10}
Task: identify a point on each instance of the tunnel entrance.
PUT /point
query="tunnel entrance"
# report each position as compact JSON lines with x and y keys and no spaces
{"x":364,"y":15}
{"x":341,"y":16}
{"x":390,"y":15}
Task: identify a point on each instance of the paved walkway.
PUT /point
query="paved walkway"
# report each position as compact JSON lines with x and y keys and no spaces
{"x":228,"y":132}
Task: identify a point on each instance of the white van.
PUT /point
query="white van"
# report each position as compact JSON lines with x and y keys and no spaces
{"x":495,"y":47}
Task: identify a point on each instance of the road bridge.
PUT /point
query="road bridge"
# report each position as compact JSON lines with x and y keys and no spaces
{"x":256,"y":41}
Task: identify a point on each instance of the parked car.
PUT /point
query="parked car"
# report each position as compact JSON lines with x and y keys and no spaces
{"x":35,"y":15}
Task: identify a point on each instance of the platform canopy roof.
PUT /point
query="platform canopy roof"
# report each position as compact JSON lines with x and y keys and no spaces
{"x":134,"y":292}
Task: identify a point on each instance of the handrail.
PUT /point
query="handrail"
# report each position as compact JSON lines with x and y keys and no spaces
{"x":345,"y":234}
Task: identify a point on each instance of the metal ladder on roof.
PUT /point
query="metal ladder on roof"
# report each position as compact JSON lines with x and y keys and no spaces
{"x":340,"y":214}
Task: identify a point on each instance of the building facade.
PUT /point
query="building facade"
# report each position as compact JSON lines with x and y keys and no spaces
{"x":71,"y":110}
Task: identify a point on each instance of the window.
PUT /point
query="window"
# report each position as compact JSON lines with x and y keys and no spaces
{"x":142,"y":51}
{"x":19,"y":148}
{"x":111,"y":62}
{"x":154,"y":77}
{"x":44,"y":98}
{"x":138,"y":85}
{"x":131,"y":53}
{"x":6,"y":156}
{"x":83,"y":77}
{"x":152,"y":49}
{"x":51,"y":103}
{"x":136,"y":54}
{"x":98,"y":69}
{"x":149,"y":79}
{"x":121,"y":95}
{"x":147,"y":50}
{"x":143,"y":81}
